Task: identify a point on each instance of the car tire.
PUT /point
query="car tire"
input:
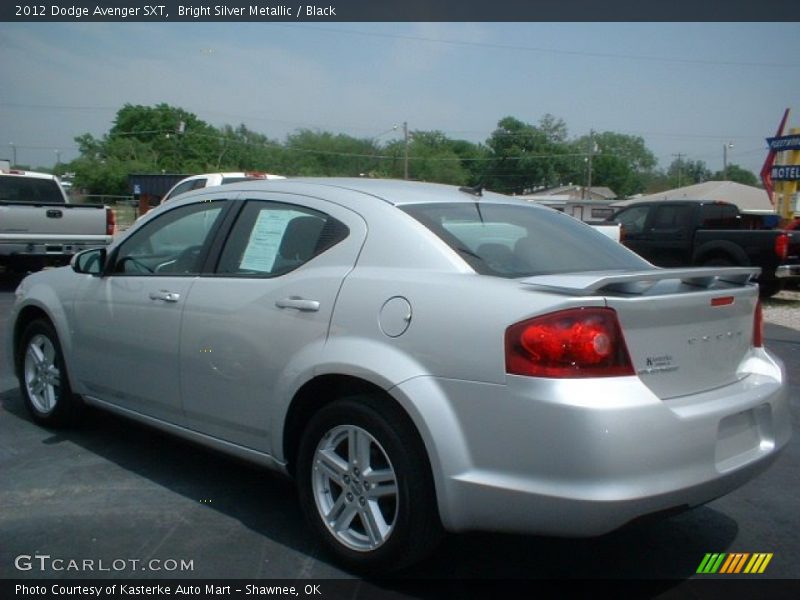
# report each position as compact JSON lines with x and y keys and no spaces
{"x":376,"y":517}
{"x":43,"y":377}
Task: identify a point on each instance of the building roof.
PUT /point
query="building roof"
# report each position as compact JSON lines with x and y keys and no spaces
{"x":574,"y":192}
{"x":746,"y":197}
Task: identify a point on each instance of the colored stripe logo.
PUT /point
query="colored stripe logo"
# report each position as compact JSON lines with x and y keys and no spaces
{"x":734,"y":563}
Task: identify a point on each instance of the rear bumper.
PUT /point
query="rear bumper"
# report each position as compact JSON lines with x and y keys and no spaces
{"x":785,"y":271}
{"x":582,"y":458}
{"x":55,"y":247}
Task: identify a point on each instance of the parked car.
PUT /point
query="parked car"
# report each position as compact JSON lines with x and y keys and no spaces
{"x":418,"y":357}
{"x":40,"y":227}
{"x":196,"y":182}
{"x":694,"y":232}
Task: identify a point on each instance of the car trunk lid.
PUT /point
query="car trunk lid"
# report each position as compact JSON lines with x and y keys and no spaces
{"x":686,"y":330}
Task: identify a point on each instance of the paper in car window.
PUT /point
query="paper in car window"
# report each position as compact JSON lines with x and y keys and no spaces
{"x":265,"y":239}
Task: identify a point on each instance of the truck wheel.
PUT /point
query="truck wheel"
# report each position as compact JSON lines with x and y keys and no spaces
{"x":365,"y":485}
{"x":43,"y":377}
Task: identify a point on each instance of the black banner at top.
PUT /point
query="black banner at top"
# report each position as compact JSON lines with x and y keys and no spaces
{"x":399,"y":10}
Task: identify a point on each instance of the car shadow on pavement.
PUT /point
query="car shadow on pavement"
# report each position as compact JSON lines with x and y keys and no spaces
{"x":265,"y":503}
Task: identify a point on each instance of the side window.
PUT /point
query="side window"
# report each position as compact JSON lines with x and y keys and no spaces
{"x":170,"y":244}
{"x":672,"y":217}
{"x":186,"y":186}
{"x":270,"y":239}
{"x":719,"y":216}
{"x":633,"y":219}
{"x":602,"y":213}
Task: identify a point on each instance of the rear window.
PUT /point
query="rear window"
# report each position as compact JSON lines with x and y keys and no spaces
{"x":719,"y":216}
{"x":237,"y":179}
{"x":521,"y":241}
{"x":16,"y":188}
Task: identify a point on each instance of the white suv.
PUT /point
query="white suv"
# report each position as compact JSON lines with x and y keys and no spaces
{"x":208,"y":179}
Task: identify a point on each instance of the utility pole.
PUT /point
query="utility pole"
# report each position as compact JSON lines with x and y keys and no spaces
{"x":680,"y":166}
{"x":588,"y":188}
{"x":725,"y":160}
{"x":405,"y":158}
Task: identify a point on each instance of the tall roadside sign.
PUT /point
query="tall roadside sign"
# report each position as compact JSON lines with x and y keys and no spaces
{"x":781,"y":171}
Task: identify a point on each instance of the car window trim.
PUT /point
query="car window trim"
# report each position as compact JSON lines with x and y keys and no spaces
{"x":211,"y":264}
{"x":203,"y":257}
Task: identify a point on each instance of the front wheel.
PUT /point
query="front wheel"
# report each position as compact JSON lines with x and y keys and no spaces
{"x":366,"y":487}
{"x":43,"y":377}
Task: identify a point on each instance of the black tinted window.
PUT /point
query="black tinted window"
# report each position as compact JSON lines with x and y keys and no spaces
{"x":520,"y":241}
{"x":719,"y":216}
{"x":673,"y":217}
{"x":29,"y":189}
{"x":271,"y":238}
{"x":633,"y":219}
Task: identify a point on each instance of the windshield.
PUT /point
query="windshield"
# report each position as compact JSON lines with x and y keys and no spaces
{"x":521,"y":241}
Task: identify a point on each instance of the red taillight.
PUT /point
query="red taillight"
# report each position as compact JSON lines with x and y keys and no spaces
{"x":782,"y":246}
{"x":758,"y":326}
{"x":111,"y":222}
{"x":579,"y":342}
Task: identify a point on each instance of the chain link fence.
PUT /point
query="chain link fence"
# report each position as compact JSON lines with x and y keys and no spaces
{"x":126,"y":208}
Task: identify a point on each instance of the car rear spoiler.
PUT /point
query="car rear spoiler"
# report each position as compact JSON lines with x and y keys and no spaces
{"x":638,"y":282}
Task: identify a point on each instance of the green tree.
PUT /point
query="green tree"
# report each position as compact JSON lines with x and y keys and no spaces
{"x":433,"y":157}
{"x":619,"y":161}
{"x":527,"y":157}
{"x":737,"y":174}
{"x":687,"y":172}
{"x":326,"y":154}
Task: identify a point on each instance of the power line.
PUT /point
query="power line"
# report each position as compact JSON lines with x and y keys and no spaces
{"x":649,"y":58}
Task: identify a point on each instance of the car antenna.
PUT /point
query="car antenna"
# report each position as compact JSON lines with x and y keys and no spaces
{"x":475,"y":191}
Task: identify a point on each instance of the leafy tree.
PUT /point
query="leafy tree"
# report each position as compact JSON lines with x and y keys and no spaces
{"x":526,"y":156}
{"x":322,"y":153}
{"x":687,"y":172}
{"x":737,"y":174}
{"x":620,"y":162}
{"x":433,"y":157}
{"x":179,"y":140}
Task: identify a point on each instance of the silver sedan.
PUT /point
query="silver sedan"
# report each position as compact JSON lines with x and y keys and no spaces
{"x":420,"y":358}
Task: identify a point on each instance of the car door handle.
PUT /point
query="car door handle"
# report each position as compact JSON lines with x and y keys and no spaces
{"x":165,"y":296}
{"x":298,"y":303}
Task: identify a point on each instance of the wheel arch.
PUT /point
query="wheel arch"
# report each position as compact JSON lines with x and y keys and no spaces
{"x":720,"y":249}
{"x":319,"y":392}
{"x":26,"y":316}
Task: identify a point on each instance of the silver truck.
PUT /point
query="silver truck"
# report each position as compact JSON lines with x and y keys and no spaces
{"x":39,"y":226}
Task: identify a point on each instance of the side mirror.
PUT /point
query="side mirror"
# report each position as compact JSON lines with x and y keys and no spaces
{"x":89,"y":262}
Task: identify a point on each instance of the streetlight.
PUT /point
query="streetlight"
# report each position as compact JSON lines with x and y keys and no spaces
{"x":725,"y":160}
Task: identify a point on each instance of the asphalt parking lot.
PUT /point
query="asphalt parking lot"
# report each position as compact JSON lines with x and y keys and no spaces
{"x":116,"y":491}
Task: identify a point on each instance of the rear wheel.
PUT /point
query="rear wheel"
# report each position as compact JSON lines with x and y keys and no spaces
{"x":365,"y":485}
{"x":43,"y":377}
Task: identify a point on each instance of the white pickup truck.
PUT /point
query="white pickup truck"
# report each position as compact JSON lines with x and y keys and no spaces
{"x":38,"y":225}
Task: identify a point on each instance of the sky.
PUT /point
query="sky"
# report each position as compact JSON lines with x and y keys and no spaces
{"x":687,"y":89}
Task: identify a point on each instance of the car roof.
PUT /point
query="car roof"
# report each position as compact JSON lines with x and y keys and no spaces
{"x":21,"y":173}
{"x":396,"y":192}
